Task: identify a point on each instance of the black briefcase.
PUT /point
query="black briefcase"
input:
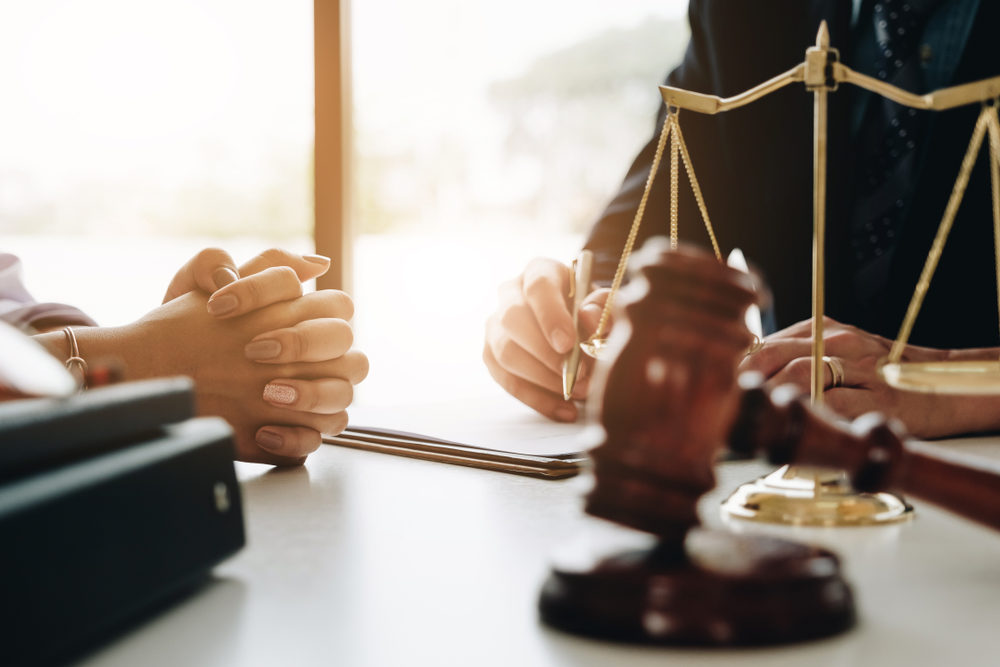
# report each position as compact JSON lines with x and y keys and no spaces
{"x":111,"y":503}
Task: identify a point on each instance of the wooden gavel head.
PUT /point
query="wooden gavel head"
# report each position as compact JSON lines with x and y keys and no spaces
{"x":669,"y":393}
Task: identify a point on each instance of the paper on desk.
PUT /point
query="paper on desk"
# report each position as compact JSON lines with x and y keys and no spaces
{"x":501,"y":424}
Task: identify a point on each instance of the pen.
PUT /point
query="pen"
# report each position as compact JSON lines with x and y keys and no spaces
{"x":579,"y":287}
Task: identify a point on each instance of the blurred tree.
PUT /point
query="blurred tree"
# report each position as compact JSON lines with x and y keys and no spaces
{"x":545,"y":151}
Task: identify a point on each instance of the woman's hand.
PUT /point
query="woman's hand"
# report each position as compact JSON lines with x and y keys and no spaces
{"x":212,"y":269}
{"x":275,"y":363}
{"x":277,"y":408}
{"x":786,"y":357}
{"x":275,"y":276}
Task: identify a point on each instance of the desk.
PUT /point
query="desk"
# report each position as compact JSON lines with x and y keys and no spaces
{"x":367,"y":559}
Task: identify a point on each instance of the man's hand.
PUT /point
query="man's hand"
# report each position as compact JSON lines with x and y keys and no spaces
{"x":530,"y":333}
{"x":786,"y":357}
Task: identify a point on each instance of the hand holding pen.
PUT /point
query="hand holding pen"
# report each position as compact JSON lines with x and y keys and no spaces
{"x":531,"y":332}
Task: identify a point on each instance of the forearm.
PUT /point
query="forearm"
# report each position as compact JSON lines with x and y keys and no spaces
{"x":954,"y":416}
{"x":973,"y":354}
{"x":969,"y":414}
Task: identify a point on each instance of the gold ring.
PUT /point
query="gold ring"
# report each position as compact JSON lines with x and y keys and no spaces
{"x":755,"y":346}
{"x":836,"y":370}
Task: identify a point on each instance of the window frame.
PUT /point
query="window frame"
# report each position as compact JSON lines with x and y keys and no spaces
{"x":332,"y":230}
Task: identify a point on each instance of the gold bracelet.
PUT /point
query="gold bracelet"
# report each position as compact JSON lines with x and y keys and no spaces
{"x":76,"y":364}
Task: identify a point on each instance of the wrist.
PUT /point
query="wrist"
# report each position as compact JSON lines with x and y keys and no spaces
{"x":63,"y":345}
{"x":97,"y":346}
{"x":54,"y":342}
{"x":113,"y":347}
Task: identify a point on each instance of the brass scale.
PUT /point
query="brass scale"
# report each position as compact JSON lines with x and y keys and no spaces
{"x":806,"y":496}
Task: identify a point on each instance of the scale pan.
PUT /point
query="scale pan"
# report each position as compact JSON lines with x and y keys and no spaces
{"x":944,"y":377}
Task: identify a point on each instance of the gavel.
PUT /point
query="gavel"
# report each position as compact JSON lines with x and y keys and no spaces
{"x":670,"y":401}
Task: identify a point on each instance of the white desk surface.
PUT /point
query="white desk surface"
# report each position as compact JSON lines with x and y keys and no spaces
{"x":368,"y":559}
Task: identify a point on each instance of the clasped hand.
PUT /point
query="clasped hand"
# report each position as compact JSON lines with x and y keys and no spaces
{"x":277,"y":364}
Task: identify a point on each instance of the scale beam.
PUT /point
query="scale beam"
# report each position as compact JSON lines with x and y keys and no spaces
{"x":938,"y":100}
{"x":821,"y":73}
{"x":712,"y":104}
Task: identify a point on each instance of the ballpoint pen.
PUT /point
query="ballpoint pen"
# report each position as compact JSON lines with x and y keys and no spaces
{"x":579,"y":287}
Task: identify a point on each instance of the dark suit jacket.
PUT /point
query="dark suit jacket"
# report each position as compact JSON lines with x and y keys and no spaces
{"x":755,"y":168}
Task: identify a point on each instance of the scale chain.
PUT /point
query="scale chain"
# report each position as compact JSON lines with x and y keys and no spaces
{"x":697,"y":191}
{"x":674,"y":154}
{"x":987,"y":118}
{"x":678,"y":152}
{"x":993,"y":124}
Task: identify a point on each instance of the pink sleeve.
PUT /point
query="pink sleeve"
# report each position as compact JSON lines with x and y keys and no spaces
{"x":19,"y":309}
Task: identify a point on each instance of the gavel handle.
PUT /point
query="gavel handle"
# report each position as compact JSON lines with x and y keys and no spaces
{"x":872,"y":450}
{"x":966,"y":485}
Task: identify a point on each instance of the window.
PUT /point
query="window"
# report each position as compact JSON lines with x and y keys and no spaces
{"x":133,"y":134}
{"x":484,"y":134}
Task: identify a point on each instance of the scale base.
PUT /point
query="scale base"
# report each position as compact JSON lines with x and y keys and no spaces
{"x":816,"y":499}
{"x":718,"y":589}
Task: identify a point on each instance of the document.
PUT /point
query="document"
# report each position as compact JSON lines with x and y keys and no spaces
{"x":500,"y":434}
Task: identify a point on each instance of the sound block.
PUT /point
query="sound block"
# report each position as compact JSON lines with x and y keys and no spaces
{"x":714,"y":589}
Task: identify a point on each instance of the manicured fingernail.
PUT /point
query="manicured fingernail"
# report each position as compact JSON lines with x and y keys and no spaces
{"x":561,"y":341}
{"x":316,"y":259}
{"x":259,"y":350}
{"x":566,"y":413}
{"x":222,"y":276}
{"x":280,"y":394}
{"x":591,"y":308}
{"x":270,"y":440}
{"x":226,"y":303}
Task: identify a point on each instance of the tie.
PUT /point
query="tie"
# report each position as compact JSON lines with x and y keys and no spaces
{"x":887,"y":143}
